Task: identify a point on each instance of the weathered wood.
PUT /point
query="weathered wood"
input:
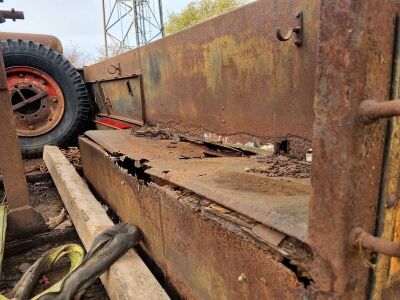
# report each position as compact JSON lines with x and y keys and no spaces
{"x":129,"y":278}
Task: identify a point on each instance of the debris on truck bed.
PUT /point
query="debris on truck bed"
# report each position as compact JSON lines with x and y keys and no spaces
{"x":282,"y":166}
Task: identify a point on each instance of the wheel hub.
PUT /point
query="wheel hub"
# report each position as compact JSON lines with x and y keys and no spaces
{"x":37,"y":101}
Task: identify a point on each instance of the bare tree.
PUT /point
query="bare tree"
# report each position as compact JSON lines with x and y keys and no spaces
{"x":77,"y":56}
{"x":113,"y":50}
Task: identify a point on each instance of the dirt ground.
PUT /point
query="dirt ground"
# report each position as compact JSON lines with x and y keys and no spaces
{"x":46,"y":200}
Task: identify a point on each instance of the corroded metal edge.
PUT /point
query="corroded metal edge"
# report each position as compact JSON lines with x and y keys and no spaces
{"x":354,"y":64}
{"x":200,"y":254}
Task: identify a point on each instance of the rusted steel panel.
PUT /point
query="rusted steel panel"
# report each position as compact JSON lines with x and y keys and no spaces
{"x":354,"y":64}
{"x":231,"y":74}
{"x":123,"y":99}
{"x":280,"y":203}
{"x":47,"y":40}
{"x":124,"y":65}
{"x":387,"y":267}
{"x":200,"y":255}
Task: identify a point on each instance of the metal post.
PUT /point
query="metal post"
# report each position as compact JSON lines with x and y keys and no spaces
{"x":160,"y":7}
{"x":105,"y":28}
{"x":10,"y":155}
{"x":22,"y":218}
{"x":135,"y":18}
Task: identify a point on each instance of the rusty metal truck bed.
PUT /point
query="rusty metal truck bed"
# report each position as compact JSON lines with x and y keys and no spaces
{"x":201,"y":210}
{"x":278,"y":202}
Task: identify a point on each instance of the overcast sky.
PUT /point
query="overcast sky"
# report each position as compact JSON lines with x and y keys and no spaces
{"x":73,"y":21}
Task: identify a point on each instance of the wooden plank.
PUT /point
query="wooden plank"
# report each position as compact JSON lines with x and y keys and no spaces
{"x":129,"y":278}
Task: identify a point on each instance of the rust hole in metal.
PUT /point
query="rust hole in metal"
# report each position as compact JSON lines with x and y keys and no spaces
{"x":131,"y":166}
{"x":302,"y":279}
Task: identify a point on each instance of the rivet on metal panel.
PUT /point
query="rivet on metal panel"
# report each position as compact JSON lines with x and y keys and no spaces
{"x":298,"y":30}
{"x":391,"y":201}
{"x":242,"y":277}
{"x":370,"y":110}
{"x":359,"y":237}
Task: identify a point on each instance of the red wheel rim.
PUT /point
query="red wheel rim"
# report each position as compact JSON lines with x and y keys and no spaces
{"x":37,"y":101}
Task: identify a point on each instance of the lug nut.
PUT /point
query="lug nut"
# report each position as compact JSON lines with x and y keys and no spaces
{"x":21,"y":75}
{"x":31,"y":127}
{"x":54,"y":99}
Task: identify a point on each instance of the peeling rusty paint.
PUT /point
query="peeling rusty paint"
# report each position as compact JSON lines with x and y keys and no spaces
{"x":230,"y":74}
{"x":354,"y":64}
{"x":197,"y":251}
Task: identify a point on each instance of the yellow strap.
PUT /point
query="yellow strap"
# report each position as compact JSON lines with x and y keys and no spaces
{"x":75,"y":254}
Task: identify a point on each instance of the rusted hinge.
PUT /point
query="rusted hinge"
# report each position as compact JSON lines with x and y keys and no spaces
{"x":366,"y":241}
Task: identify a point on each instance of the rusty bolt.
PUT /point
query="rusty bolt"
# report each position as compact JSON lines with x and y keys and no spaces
{"x":21,"y":75}
{"x":50,"y":119}
{"x":242,"y":277}
{"x":391,"y":201}
{"x":54,"y":99}
{"x":31,"y":127}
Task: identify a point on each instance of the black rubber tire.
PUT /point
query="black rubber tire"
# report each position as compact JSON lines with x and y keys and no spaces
{"x":77,"y":106}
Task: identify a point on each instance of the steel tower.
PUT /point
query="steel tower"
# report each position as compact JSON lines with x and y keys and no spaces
{"x":131,"y":23}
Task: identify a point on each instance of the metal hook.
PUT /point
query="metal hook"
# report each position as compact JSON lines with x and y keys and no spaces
{"x":298,"y":30}
{"x":112,"y":69}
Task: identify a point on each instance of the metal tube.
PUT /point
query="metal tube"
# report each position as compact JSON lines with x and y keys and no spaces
{"x":161,"y":18}
{"x":360,"y":237}
{"x":12,"y":14}
{"x":135,"y":20}
{"x":105,"y":28}
{"x":371,"y":110}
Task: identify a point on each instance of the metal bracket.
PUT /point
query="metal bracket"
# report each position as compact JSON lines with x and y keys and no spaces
{"x":298,"y":30}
